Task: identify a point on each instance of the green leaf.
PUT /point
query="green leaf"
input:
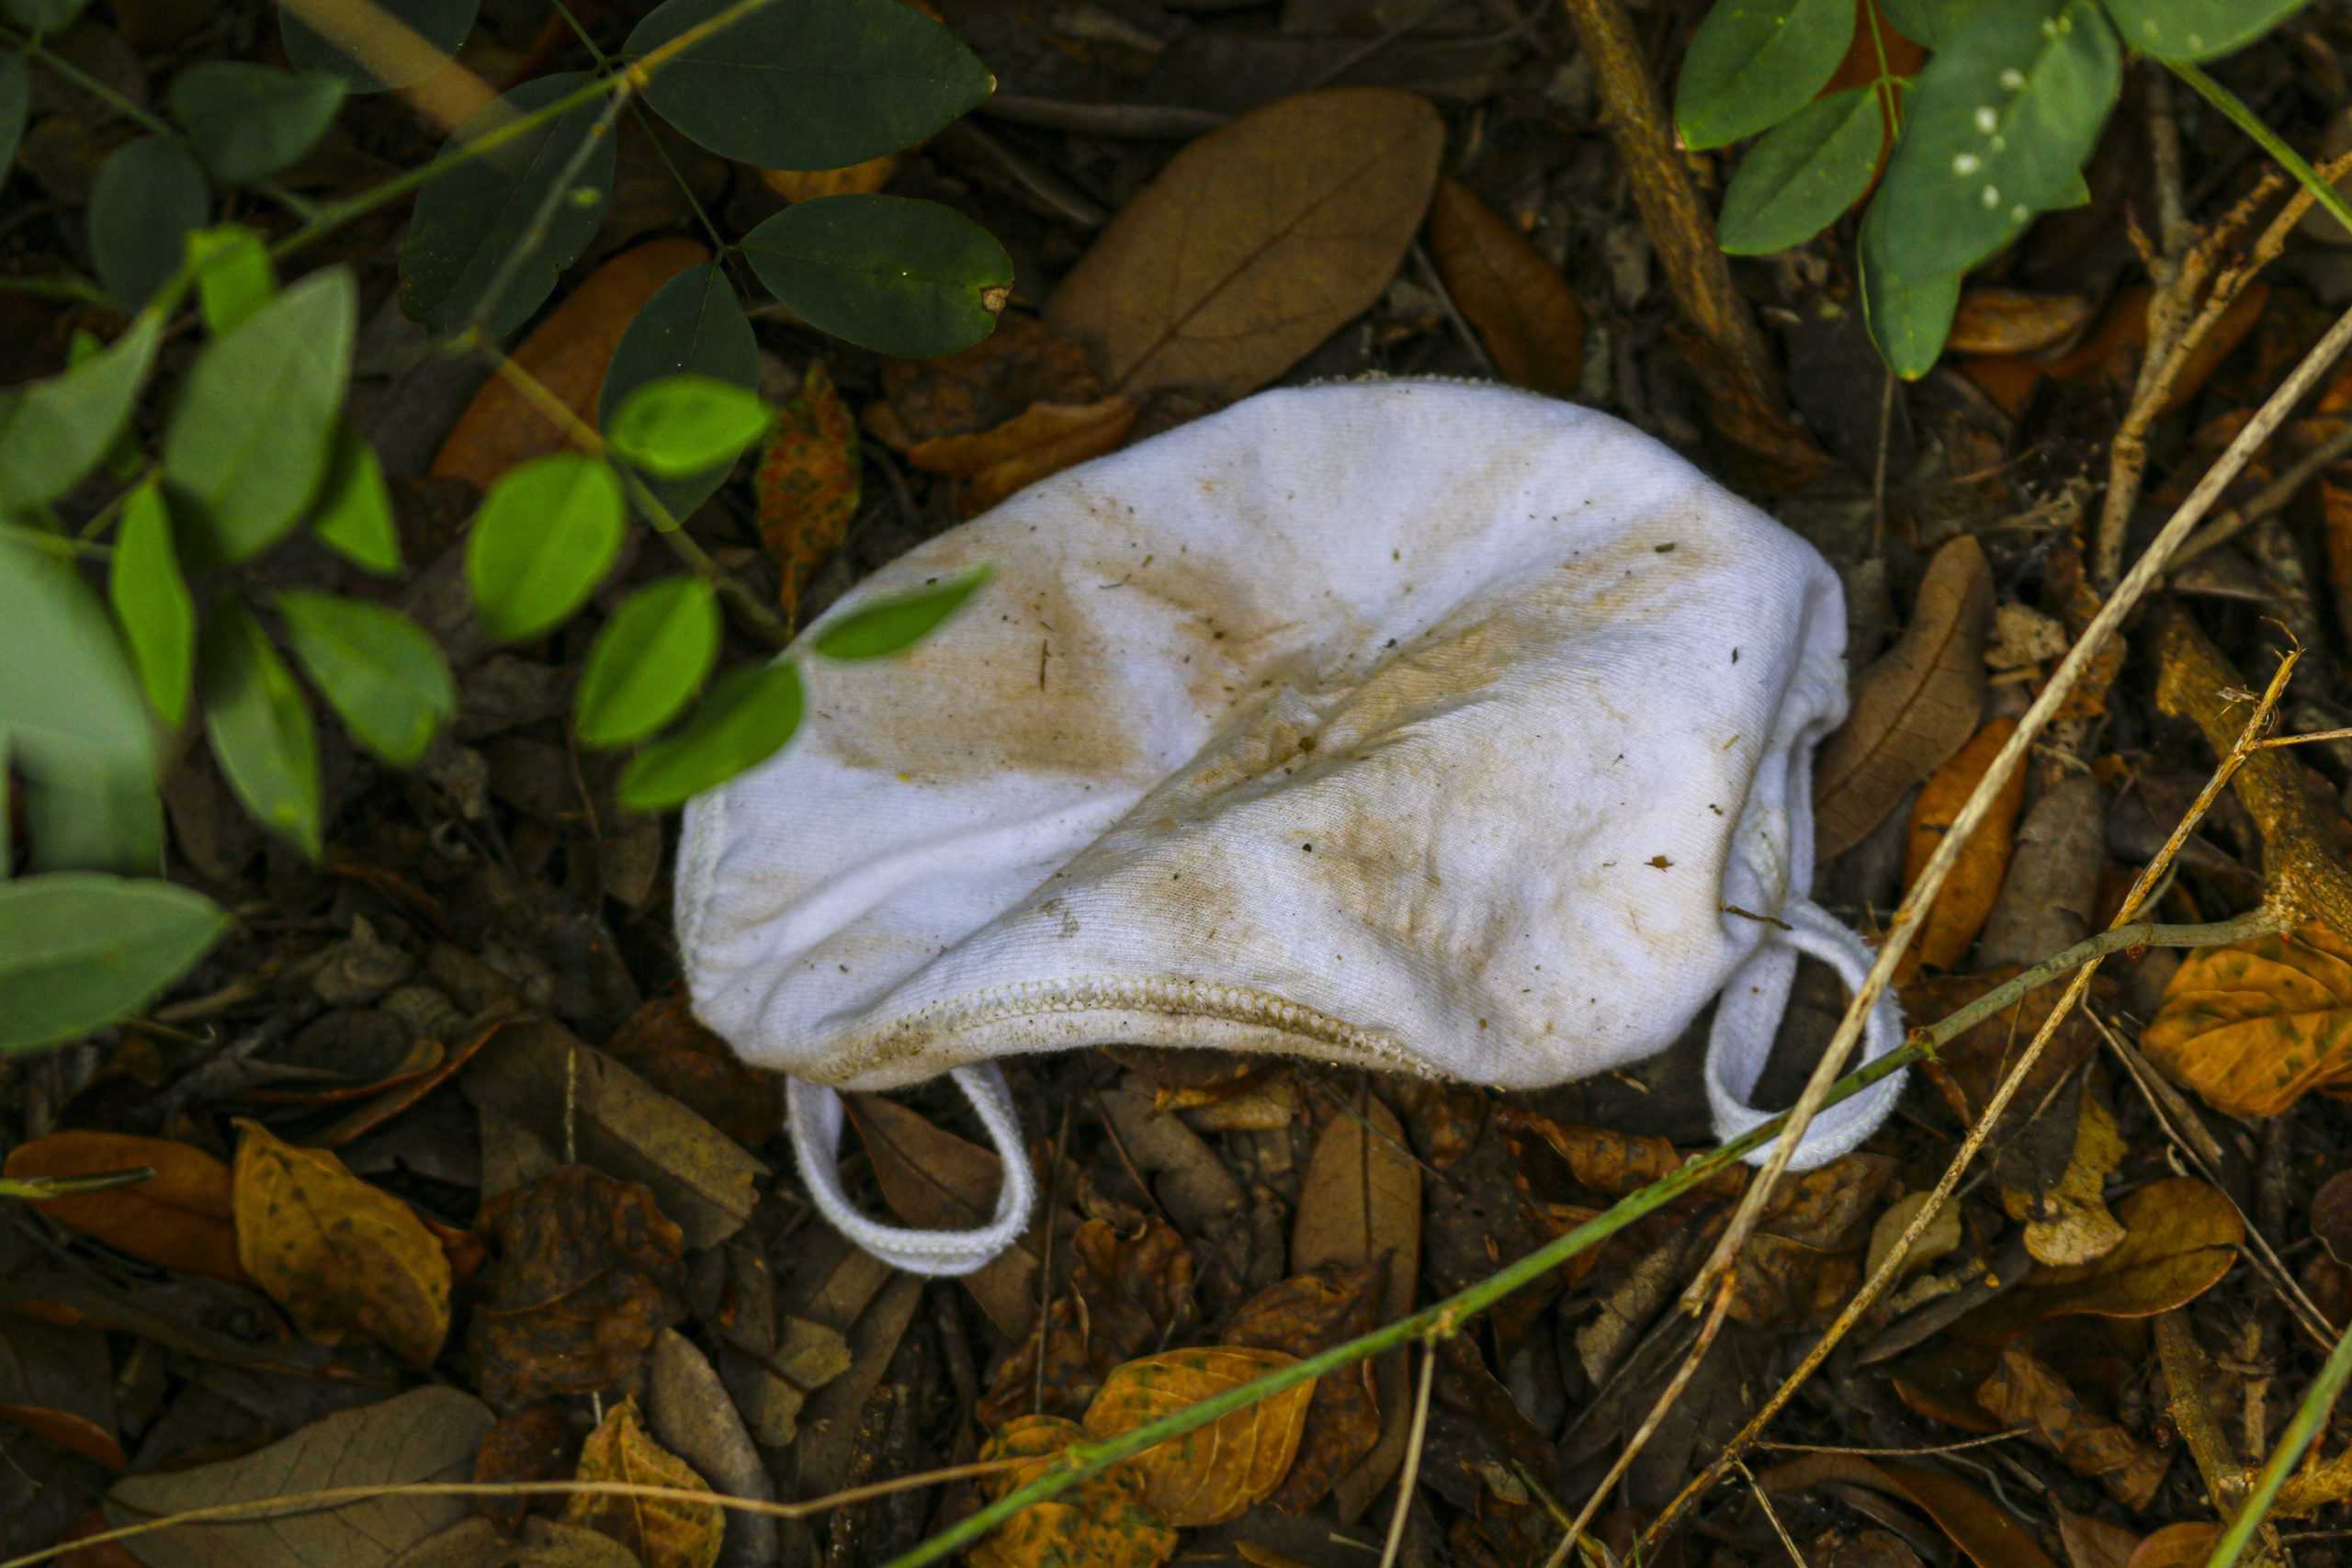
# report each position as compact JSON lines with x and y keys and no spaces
{"x":1805,"y":171}
{"x":544,"y":538}
{"x":41,"y":15}
{"x":894,"y":625}
{"x":1997,"y":130}
{"x":259,"y":725}
{"x":1755,"y":62}
{"x":694,"y":322}
{"x":648,"y":661}
{"x":1909,"y":317}
{"x":249,"y":121}
{"x":2197,"y":30}
{"x":442,"y":25}
{"x":899,"y":277}
{"x":816,"y":85}
{"x":81,"y":818}
{"x":748,"y":716}
{"x":233,"y":276}
{"x":147,"y":197}
{"x":249,"y":441}
{"x":1930,"y":23}
{"x":15,"y":103}
{"x":151,"y":602}
{"x":67,"y":688}
{"x":79,"y":949}
{"x":354,"y":515}
{"x":682,"y":425}
{"x":54,"y":432}
{"x":471,"y":218}
{"x":377,"y":667}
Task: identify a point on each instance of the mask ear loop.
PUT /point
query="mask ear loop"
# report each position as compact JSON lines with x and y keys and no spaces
{"x":813,"y":1115}
{"x":1749,"y":1014}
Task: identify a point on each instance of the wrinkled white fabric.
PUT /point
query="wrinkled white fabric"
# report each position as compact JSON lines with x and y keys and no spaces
{"x":1409,"y":725}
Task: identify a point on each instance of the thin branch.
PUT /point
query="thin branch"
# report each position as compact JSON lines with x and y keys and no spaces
{"x":1415,"y":1440}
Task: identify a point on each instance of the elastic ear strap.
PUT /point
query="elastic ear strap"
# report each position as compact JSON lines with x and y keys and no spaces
{"x":1749,"y":1015}
{"x":813,"y":1114}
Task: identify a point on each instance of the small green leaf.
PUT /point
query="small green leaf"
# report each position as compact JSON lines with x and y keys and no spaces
{"x":2197,"y":30}
{"x":151,"y":602}
{"x":43,"y":16}
{"x":471,"y":218}
{"x":1997,"y":130}
{"x":441,"y":24}
{"x":894,"y":625}
{"x":694,"y":322}
{"x":1908,"y":317}
{"x":147,"y":197}
{"x":66,"y":689}
{"x":249,"y":121}
{"x":234,"y":277}
{"x":748,"y":716}
{"x":816,"y":85}
{"x":249,"y":441}
{"x":354,"y":515}
{"x":377,"y":667}
{"x":682,"y":424}
{"x":1755,"y":62}
{"x":15,"y":103}
{"x":259,"y":724}
{"x":899,"y":277}
{"x":54,"y":432}
{"x":544,"y":538}
{"x":648,"y":661}
{"x":1802,"y":173}
{"x":79,"y":949}
{"x":1930,"y":23}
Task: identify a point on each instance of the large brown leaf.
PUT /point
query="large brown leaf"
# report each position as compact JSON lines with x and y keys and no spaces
{"x":1255,"y":242}
{"x":935,"y":1180}
{"x":1525,"y":311}
{"x":1217,"y":1472}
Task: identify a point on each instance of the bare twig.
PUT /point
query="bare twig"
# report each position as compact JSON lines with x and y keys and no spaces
{"x":1415,"y":1440}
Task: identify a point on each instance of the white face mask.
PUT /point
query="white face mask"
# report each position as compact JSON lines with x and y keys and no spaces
{"x":1410,"y":724}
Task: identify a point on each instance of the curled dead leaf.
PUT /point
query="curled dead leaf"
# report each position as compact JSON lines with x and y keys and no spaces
{"x":182,"y":1219}
{"x":1217,"y":1472}
{"x":1036,"y":443}
{"x":1993,"y":320}
{"x":1525,"y":311}
{"x":808,"y":481}
{"x":1974,"y":885}
{"x":2256,"y":1026}
{"x":664,"y":1532}
{"x":2180,"y":1235}
{"x":2070,"y":1222}
{"x":2024,"y":1391}
{"x":1101,"y":1520}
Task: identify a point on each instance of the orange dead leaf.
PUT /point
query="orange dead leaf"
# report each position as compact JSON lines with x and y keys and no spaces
{"x":1864,"y":65}
{"x":1993,"y":319}
{"x":1968,"y":895}
{"x":1213,"y":1472}
{"x":2176,"y":1546}
{"x":810,"y":184}
{"x":1987,"y":1532}
{"x":2256,"y":1026}
{"x":661,"y":1532}
{"x":2006,"y":379}
{"x":808,"y":481}
{"x":1525,"y":311}
{"x":568,"y":354}
{"x":2024,"y":1391}
{"x":1101,"y":1520}
{"x":2112,"y":347}
{"x":1040,"y":442}
{"x":1303,"y":1315}
{"x":182,"y":1219}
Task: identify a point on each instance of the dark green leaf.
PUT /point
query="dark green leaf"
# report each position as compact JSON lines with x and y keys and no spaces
{"x":544,"y":538}
{"x":1929,"y":22}
{"x":470,"y":220}
{"x":249,"y":121}
{"x":249,"y":441}
{"x":41,"y":15}
{"x":648,"y":661}
{"x":682,"y":424}
{"x":151,"y":601}
{"x":354,"y":516}
{"x":16,"y":103}
{"x":899,"y":277}
{"x":2197,"y":30}
{"x":748,"y":716}
{"x":894,"y":625}
{"x":54,"y":431}
{"x":234,"y":277}
{"x":1908,"y":317}
{"x":78,"y":950}
{"x":694,"y":322}
{"x":1755,"y":62}
{"x":148,"y":197}
{"x":376,"y":666}
{"x":259,"y":725}
{"x":1997,"y":130}
{"x":816,"y":85}
{"x":1805,"y":171}
{"x":66,"y":689}
{"x":441,"y":24}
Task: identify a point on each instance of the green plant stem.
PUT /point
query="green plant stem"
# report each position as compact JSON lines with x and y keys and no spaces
{"x":2234,"y":110}
{"x":2310,"y":1420}
{"x":1082,"y":1459}
{"x":1886,"y":83}
{"x":78,"y":290}
{"x":53,"y":544}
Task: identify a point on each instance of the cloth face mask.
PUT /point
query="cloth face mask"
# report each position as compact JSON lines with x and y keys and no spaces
{"x":1417,"y":725}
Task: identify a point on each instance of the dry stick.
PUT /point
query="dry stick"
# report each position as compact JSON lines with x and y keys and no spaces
{"x":2078,"y":660}
{"x":438,"y":88}
{"x":2272,"y":497}
{"x":1415,"y":1440}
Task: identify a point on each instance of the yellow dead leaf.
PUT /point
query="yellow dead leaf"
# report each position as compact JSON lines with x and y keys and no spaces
{"x":338,"y":1255}
{"x":1213,"y":1472}
{"x":2070,"y":1223}
{"x":1101,"y":1521}
{"x":1974,"y":885}
{"x":1939,"y":1241}
{"x":809,"y":185}
{"x":2256,"y":1026}
{"x":808,"y":481}
{"x":1525,"y":313}
{"x":662,"y":1532}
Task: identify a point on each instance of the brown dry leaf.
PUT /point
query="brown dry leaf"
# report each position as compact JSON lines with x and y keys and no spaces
{"x":808,"y":481}
{"x":2070,"y":1223}
{"x":1968,"y":1069}
{"x":337,"y":1254}
{"x":184,"y":1219}
{"x":1939,"y":1241}
{"x":2112,"y":349}
{"x":812,"y":185}
{"x":1217,"y":1472}
{"x":2177,"y":1546}
{"x":2336,"y":517}
{"x":537,"y":1443}
{"x":1913,"y":707}
{"x":1303,"y":1315}
{"x":1129,"y":1289}
{"x":2008,"y":382}
{"x":1525,"y":311}
{"x":2025,"y":1392}
{"x":1806,"y":1257}
{"x":2094,"y":1542}
{"x":1988,"y":1533}
{"x":1993,"y":319}
{"x":1974,"y":885}
{"x":1255,"y":242}
{"x":1022,"y":363}
{"x":662,"y":1532}
{"x":1034,"y":446}
{"x":666,"y":1045}
{"x":1100,"y":1522}
{"x":2256,"y":1026}
{"x":2180,"y":1237}
{"x":568,"y":354}
{"x":1612,"y":1162}
{"x":935,"y":1180}
{"x":58,"y":1382}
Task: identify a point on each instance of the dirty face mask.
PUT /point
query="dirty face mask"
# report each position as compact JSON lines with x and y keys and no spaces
{"x":1415,"y":726}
